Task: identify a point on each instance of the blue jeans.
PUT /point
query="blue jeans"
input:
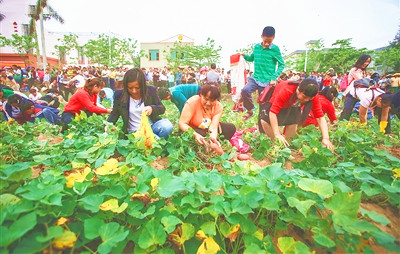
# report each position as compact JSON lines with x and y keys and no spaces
{"x":162,"y":128}
{"x":50,"y":116}
{"x":248,"y":89}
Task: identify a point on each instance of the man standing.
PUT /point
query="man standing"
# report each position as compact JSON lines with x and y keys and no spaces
{"x":213,"y":76}
{"x":266,"y":56}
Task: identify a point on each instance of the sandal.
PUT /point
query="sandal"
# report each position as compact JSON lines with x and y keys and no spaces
{"x":247,"y":115}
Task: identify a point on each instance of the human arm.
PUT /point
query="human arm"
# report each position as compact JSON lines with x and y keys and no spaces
{"x":273,"y":119}
{"x":324,"y":132}
{"x":157,"y":108}
{"x":384,"y":119}
{"x":281,"y":65}
{"x":184,"y":126}
{"x":213,"y":129}
{"x":363,"y":114}
{"x":90,"y":103}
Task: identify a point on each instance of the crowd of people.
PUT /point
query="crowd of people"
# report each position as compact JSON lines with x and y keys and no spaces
{"x":290,"y":100}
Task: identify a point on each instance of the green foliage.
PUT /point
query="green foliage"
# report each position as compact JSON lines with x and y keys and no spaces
{"x":111,"y":51}
{"x":241,"y":206}
{"x":194,"y":55}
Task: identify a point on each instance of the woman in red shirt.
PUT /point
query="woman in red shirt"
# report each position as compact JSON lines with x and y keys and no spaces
{"x":289,"y":106}
{"x":326,"y":96}
{"x":84,"y":99}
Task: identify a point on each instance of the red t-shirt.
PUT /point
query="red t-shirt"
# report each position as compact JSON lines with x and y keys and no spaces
{"x":327,"y":81}
{"x":282,"y":95}
{"x":82,"y":100}
{"x":327,"y":108}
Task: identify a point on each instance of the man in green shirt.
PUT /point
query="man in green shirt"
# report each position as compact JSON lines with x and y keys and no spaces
{"x":268,"y":65}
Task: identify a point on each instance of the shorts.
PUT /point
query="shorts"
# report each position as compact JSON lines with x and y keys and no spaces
{"x":286,"y":116}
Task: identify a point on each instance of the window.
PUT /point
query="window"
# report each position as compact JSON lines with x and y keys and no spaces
{"x":154,"y":55}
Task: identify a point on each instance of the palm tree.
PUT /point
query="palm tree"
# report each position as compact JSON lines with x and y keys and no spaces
{"x":2,"y":16}
{"x":36,"y":14}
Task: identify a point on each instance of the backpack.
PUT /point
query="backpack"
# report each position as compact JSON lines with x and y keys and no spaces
{"x":344,"y":83}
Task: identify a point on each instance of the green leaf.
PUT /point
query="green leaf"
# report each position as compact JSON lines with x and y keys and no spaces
{"x":169,"y":185}
{"x":209,"y":228}
{"x":116,"y":191}
{"x":375,"y":216}
{"x":288,"y":246}
{"x":170,"y":223}
{"x":271,"y":202}
{"x":54,"y":199}
{"x":302,"y":206}
{"x":8,"y":199}
{"x":92,"y":202}
{"x":323,"y":188}
{"x":111,"y":234}
{"x":322,"y":239}
{"x":17,"y":172}
{"x":344,"y":203}
{"x":52,"y":232}
{"x":17,"y":229}
{"x":91,"y":227}
{"x":153,"y":233}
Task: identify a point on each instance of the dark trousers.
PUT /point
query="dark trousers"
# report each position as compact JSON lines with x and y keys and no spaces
{"x":226,"y":129}
{"x":378,"y":113}
{"x":348,"y":107}
{"x":247,"y":90}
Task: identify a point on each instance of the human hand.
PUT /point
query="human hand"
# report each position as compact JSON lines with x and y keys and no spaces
{"x":148,"y":110}
{"x":199,"y":139}
{"x":282,"y":139}
{"x":213,"y":140}
{"x":327,"y":143}
{"x":109,"y":110}
{"x":272,"y":83}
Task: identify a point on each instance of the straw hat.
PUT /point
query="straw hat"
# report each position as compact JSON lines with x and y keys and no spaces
{"x":396,"y":74}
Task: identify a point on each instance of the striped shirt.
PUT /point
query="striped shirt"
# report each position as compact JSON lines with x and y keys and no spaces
{"x":265,"y":61}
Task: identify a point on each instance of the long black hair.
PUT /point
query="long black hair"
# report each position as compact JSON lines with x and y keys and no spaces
{"x":132,"y":75}
{"x":329,"y":92}
{"x":361,"y":60}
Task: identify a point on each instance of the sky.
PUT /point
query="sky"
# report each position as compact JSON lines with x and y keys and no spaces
{"x":235,"y":24}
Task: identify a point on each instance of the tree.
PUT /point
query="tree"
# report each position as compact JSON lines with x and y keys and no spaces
{"x":194,"y":55}
{"x":2,"y":16}
{"x":389,"y":57}
{"x":106,"y":50}
{"x":22,"y":44}
{"x":67,"y":43}
{"x":36,"y":13}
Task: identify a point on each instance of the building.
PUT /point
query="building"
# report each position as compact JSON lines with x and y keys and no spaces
{"x":155,"y":53}
{"x":16,"y":21}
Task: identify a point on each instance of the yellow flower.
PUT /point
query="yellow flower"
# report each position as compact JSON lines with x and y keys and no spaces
{"x":112,"y":205}
{"x":76,"y":176}
{"x":154,"y":183}
{"x":61,"y":221}
{"x":201,"y":235}
{"x":315,"y":149}
{"x":209,"y":246}
{"x":109,"y":167}
{"x":65,"y":241}
{"x":396,"y":173}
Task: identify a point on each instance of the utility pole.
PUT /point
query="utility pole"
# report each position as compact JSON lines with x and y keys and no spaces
{"x":43,"y":43}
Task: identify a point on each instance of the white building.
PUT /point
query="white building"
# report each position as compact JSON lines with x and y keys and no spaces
{"x":156,"y":52}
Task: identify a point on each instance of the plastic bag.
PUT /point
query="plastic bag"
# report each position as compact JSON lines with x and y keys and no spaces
{"x":238,"y":142}
{"x":145,"y":133}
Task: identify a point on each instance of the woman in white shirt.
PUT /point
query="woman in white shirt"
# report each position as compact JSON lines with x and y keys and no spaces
{"x":356,"y":73}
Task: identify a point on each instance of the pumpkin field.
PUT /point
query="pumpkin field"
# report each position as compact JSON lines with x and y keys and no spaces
{"x":89,"y":190}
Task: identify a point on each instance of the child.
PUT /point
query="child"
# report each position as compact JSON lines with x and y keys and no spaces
{"x":30,"y":111}
{"x":34,"y":94}
{"x":106,"y":94}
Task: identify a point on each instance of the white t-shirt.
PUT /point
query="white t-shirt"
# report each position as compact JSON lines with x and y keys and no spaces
{"x":81,"y":81}
{"x":366,"y":96}
{"x":135,"y":114}
{"x":104,"y":73}
{"x":35,"y":98}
